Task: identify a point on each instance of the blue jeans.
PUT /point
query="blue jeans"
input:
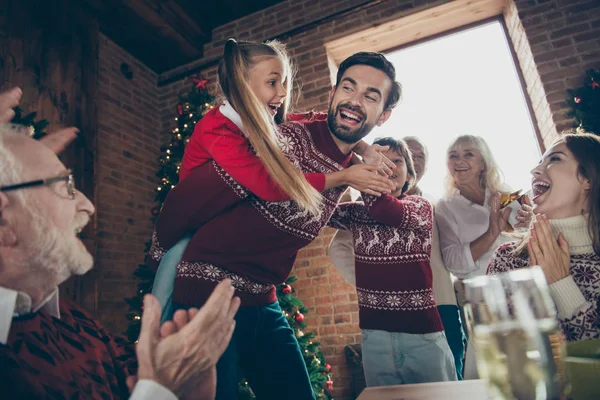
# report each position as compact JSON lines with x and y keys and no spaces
{"x":265,"y":350}
{"x":164,"y":280}
{"x":454,"y":332}
{"x":397,"y":358}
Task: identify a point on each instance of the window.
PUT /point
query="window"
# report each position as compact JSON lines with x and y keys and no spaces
{"x":464,"y":83}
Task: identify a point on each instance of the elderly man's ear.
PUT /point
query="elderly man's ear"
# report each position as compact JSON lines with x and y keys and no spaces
{"x":59,"y":140}
{"x":7,"y":234}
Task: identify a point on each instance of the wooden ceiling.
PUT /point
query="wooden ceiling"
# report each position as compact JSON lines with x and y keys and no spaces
{"x":165,"y":34}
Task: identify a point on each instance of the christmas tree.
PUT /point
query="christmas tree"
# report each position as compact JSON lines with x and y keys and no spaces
{"x":191,"y":108}
{"x":318,"y":371}
{"x":585,"y":102}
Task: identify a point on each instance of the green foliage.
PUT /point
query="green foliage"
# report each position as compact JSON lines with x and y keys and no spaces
{"x":585,"y":103}
{"x":36,"y":127}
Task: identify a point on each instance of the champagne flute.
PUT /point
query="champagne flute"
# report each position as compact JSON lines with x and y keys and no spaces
{"x":512,"y":319}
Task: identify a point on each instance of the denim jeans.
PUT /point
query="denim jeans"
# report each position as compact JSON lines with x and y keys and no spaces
{"x":454,"y":332}
{"x":396,"y":358}
{"x":265,"y":350}
{"x":164,"y":279}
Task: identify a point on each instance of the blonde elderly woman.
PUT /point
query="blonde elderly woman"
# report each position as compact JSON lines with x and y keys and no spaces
{"x":469,"y":218}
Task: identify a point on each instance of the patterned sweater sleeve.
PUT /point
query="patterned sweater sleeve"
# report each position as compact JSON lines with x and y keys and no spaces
{"x":408,"y":212}
{"x":503,"y":260}
{"x":345,"y":215}
{"x":578,"y":317}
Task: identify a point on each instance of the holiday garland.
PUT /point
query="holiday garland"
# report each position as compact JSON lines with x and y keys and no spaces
{"x":585,"y":103}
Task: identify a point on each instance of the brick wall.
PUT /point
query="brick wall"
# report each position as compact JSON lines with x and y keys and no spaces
{"x":128,"y":149}
{"x":555,"y":41}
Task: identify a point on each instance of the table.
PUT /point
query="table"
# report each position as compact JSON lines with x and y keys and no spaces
{"x":475,"y":389}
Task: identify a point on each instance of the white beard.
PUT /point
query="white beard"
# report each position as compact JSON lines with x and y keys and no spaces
{"x":56,"y":254}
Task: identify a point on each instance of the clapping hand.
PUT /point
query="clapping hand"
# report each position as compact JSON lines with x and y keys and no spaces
{"x":547,"y":251}
{"x":182,"y":355}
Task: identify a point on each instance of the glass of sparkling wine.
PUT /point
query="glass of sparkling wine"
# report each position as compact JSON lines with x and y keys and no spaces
{"x":518,"y":344}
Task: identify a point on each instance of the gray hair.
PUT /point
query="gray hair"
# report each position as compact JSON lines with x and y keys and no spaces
{"x":492,"y":177}
{"x":420,"y":142}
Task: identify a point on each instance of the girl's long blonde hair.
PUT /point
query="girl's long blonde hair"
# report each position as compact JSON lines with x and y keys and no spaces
{"x":238,"y":60}
{"x":491,"y":178}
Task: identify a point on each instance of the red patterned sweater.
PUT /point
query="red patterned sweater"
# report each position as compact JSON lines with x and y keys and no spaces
{"x":68,"y":358}
{"x":253,"y":242}
{"x":392,"y":244}
{"x":577,"y":297}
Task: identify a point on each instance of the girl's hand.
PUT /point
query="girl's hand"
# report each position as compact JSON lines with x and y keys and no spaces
{"x":364,"y":178}
{"x":545,"y":250}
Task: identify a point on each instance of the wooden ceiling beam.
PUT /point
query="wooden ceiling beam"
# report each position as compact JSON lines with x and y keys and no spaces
{"x":163,"y":19}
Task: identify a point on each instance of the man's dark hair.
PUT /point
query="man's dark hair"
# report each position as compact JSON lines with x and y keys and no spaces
{"x":400,"y":147}
{"x":377,"y":61}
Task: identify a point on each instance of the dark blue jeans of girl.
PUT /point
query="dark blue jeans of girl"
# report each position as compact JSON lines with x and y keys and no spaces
{"x":265,"y":350}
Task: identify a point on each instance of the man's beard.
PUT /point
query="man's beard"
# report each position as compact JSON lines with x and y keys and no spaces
{"x":345,"y":133}
{"x":54,"y":254}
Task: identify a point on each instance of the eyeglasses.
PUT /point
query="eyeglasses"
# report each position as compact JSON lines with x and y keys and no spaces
{"x":70,"y":181}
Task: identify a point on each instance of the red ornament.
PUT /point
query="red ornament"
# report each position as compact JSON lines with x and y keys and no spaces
{"x":594,"y":84}
{"x":287,"y":289}
{"x":328,"y":367}
{"x":299,"y":317}
{"x":329,"y":384}
{"x":577,"y":100}
{"x":200,"y":82}
{"x":179,"y":109}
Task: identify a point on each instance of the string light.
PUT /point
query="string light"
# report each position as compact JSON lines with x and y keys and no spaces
{"x":191,"y":115}
{"x":168,"y":151}
{"x":167,"y":157}
{"x":159,"y":188}
{"x":176,"y":119}
{"x":185,"y":125}
{"x":176,"y":129}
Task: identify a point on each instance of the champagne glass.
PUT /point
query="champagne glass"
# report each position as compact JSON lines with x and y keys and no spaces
{"x":513,"y":322}
{"x":529,"y":286}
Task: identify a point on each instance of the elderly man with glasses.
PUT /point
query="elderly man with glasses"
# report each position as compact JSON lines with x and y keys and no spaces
{"x":51,"y":348}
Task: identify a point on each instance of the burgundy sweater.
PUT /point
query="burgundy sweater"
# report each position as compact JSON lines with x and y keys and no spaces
{"x":392,"y":244}
{"x":68,"y":358}
{"x":253,"y":242}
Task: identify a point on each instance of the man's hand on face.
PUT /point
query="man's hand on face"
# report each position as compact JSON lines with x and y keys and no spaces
{"x":373,"y":155}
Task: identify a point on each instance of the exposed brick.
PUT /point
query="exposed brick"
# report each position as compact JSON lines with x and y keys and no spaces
{"x":569,"y":31}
